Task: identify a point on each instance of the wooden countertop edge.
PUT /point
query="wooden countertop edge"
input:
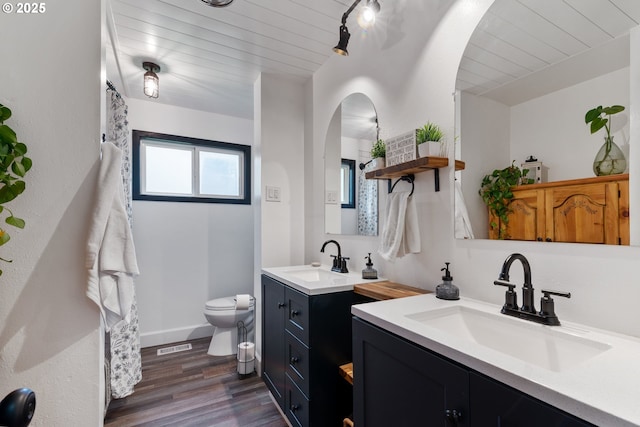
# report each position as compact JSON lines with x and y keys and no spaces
{"x":387,"y":290}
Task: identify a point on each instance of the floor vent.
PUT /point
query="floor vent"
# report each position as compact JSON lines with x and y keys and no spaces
{"x":174,"y":349}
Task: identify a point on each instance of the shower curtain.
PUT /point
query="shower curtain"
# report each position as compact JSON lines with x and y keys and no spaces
{"x":122,"y":345}
{"x":367,"y":204}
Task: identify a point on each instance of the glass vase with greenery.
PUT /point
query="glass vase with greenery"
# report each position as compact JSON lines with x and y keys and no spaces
{"x":609,"y":160}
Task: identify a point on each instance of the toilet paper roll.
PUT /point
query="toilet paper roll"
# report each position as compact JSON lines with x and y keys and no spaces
{"x":243,"y":301}
{"x":246,"y":351}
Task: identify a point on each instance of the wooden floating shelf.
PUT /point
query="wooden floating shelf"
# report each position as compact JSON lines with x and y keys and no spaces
{"x":413,"y":167}
{"x":418,"y":165}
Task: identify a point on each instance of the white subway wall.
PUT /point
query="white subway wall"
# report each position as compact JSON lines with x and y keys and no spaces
{"x":50,"y":341}
{"x":188,"y":253}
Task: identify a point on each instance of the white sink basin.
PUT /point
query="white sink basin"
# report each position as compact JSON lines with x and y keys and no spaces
{"x":316,"y":274}
{"x":548,"y":347}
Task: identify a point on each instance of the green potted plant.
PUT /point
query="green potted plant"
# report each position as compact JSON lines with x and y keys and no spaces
{"x":430,"y":133}
{"x":378,"y":154}
{"x":609,"y":160}
{"x":13,"y":166}
{"x":496,"y":193}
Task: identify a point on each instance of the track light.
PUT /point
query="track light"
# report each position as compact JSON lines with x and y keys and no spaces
{"x":341,"y":48}
{"x":366,"y":19}
{"x":151,"y":80}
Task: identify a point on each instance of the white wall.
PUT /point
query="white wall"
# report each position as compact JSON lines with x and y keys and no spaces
{"x":282,"y":141}
{"x":484,"y":142}
{"x":552,"y":127}
{"x":420,"y":89}
{"x":49,"y":329}
{"x":188,"y":253}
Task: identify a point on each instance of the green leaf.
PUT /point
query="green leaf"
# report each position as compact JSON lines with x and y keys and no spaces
{"x":18,"y":169}
{"x":4,"y":237}
{"x":26,"y":162}
{"x":597,"y":124}
{"x":5,"y":113}
{"x":614,"y":109}
{"x":592,"y":114}
{"x":7,"y":134}
{"x":20,"y":149}
{"x":16,"y":222}
{"x":10,"y":192}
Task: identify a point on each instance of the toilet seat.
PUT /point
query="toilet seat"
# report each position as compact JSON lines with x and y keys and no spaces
{"x":226,"y":303}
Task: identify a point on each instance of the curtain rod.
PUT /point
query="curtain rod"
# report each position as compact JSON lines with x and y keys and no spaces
{"x":110,"y":86}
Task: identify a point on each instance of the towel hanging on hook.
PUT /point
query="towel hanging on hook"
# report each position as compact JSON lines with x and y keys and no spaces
{"x":409,"y":178}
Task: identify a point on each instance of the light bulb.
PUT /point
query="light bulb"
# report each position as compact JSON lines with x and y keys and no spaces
{"x":366,"y":17}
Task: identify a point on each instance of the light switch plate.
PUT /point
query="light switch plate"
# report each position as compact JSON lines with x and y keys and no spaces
{"x":272,"y":194}
{"x":331,"y":198}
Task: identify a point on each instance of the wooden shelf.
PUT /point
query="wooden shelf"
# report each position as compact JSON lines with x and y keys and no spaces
{"x":412,"y":167}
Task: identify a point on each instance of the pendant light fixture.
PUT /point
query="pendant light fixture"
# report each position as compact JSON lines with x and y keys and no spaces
{"x":366,"y":19}
{"x":151,"y":81}
{"x":217,"y":3}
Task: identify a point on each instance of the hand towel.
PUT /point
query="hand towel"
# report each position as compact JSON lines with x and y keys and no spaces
{"x":400,"y":233}
{"x":111,"y":259}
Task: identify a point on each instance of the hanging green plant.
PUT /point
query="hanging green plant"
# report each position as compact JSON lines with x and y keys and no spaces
{"x":496,"y":193}
{"x":13,"y":167}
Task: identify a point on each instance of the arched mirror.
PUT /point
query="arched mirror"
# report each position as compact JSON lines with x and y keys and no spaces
{"x":351,"y":201}
{"x":530,"y":72}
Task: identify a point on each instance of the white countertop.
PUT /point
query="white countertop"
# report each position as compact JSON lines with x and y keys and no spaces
{"x":329,"y":281}
{"x":603,"y":390}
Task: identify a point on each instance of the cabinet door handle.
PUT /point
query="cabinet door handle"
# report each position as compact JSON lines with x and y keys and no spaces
{"x":539,"y":239}
{"x":281,"y":305}
{"x":294,"y":360}
{"x":548,"y":239}
{"x":294,"y":408}
{"x":294,"y":313}
{"x":453,"y":416}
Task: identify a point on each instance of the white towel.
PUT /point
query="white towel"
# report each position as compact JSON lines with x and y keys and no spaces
{"x":400,"y":233}
{"x":111,"y":258}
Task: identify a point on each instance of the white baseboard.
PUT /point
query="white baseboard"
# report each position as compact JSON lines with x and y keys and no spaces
{"x":169,"y":336}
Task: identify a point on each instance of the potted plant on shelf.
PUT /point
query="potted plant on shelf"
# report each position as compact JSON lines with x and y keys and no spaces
{"x":13,"y":166}
{"x":610,"y":160}
{"x":378,"y":154}
{"x":496,"y":193}
{"x":429,"y":140}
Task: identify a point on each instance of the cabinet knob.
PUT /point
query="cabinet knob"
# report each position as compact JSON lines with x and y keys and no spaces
{"x":548,"y":239}
{"x":453,"y":416}
{"x":294,"y":313}
{"x":294,"y":408}
{"x":539,"y":239}
{"x":294,"y":360}
{"x":281,"y":305}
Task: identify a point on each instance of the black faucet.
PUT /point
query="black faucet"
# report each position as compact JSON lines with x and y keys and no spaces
{"x":339,"y":262}
{"x":546,"y":315}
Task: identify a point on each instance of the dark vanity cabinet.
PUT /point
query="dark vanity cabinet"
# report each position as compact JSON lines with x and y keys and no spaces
{"x":398,"y":383}
{"x":305,"y":338}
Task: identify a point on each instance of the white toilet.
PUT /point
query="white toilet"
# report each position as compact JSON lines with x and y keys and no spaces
{"x":223,"y":314}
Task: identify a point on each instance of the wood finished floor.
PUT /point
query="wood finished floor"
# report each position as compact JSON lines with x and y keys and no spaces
{"x":193,"y":389}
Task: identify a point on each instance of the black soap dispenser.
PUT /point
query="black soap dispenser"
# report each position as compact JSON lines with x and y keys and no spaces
{"x":369,"y":272}
{"x":447,"y":290}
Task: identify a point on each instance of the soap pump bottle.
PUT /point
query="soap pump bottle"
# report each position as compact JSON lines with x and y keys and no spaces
{"x":369,"y":272}
{"x":447,"y":290}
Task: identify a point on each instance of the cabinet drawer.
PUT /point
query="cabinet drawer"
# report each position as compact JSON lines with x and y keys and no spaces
{"x":297,"y":405}
{"x":297,"y":321}
{"x":298,"y":362}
